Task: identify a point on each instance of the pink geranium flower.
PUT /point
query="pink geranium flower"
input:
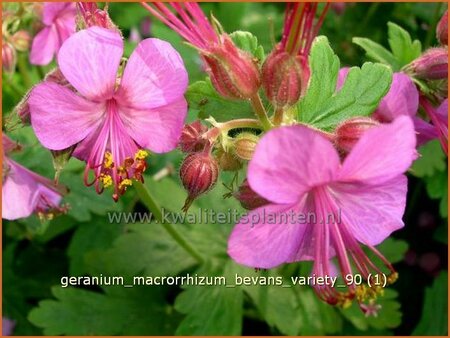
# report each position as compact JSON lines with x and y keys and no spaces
{"x":25,"y":192}
{"x":111,"y":121}
{"x":59,"y":23}
{"x":360,"y":200}
{"x":439,"y":119}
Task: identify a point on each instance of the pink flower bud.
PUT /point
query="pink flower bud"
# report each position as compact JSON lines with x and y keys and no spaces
{"x":431,"y":65}
{"x":244,"y":145}
{"x":350,"y":131}
{"x":228,"y":161}
{"x":9,"y":57}
{"x":442,"y":29}
{"x":90,"y":15}
{"x":198,"y":172}
{"x":248,"y":198}
{"x":191,"y":140}
{"x":234,"y":73}
{"x":21,"y":40}
{"x":282,"y":78}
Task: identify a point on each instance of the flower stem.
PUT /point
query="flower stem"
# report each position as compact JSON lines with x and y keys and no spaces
{"x":278,"y":117}
{"x":149,"y":201}
{"x":260,"y":111}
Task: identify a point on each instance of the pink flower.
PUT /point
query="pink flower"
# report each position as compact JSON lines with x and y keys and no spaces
{"x":91,"y":15}
{"x":25,"y":192}
{"x":233,"y":72}
{"x":439,"y":119}
{"x":110,"y":122}
{"x":358,"y":201}
{"x":59,"y":23}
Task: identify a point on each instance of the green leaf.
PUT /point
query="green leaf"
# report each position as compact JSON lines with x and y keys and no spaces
{"x":377,"y":52}
{"x":432,"y":159}
{"x":434,"y":320}
{"x":388,"y":317}
{"x":392,"y":249}
{"x":78,"y":312}
{"x":249,"y":43}
{"x":437,"y":188}
{"x":203,"y":97}
{"x":359,"y":96}
{"x":403,"y":48}
{"x":211,"y":310}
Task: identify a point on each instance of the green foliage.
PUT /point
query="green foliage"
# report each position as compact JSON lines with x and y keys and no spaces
{"x":118,"y":311}
{"x":404,"y":49}
{"x":202,"y":97}
{"x":434,"y":320}
{"x":248,"y":42}
{"x":363,"y":89}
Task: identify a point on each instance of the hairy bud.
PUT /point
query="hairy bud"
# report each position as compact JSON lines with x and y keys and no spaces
{"x":442,"y":29}
{"x":282,"y":78}
{"x":351,"y":130}
{"x":244,"y":145}
{"x":190,"y":140}
{"x":234,"y":73}
{"x":21,"y":40}
{"x":9,"y":57}
{"x":228,"y":161}
{"x":248,"y":198}
{"x":198,"y":172}
{"x":431,"y":65}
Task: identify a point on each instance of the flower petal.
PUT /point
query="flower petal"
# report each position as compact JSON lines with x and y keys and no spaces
{"x":59,"y":117}
{"x":425,"y":131}
{"x":288,"y":161}
{"x":261,"y":240}
{"x":342,"y":76}
{"x":154,"y":76}
{"x":402,"y":99}
{"x":53,"y":9}
{"x":18,"y":193}
{"x":372,"y":212}
{"x":89,"y":60}
{"x":44,"y":46}
{"x":381,"y":153}
{"x":157,"y":129}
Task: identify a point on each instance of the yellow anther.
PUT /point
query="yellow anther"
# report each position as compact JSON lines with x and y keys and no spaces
{"x":141,"y":154}
{"x":392,"y":277}
{"x":106,"y":180}
{"x":124,"y":183}
{"x":108,"y":161}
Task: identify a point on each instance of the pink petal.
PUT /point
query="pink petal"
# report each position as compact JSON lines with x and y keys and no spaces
{"x":342,"y":75}
{"x":425,"y":131}
{"x":60,"y":118}
{"x":402,"y":99}
{"x":262,"y":242}
{"x":44,"y":46}
{"x":65,"y":25}
{"x":53,"y":9}
{"x":288,"y":161}
{"x":372,"y":212}
{"x":89,"y":60}
{"x":18,"y":193}
{"x":157,"y":129}
{"x":154,"y":76}
{"x":382,"y":153}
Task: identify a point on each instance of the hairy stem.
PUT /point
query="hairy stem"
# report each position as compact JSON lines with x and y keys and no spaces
{"x":260,"y":111}
{"x":215,"y":132}
{"x":149,"y":201}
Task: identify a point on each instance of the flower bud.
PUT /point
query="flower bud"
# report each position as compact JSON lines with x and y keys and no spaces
{"x":198,"y":172}
{"x":9,"y":57}
{"x":21,"y":40}
{"x":234,"y":73}
{"x":228,"y":161}
{"x":244,"y":145}
{"x":282,"y":78}
{"x":431,"y":65}
{"x":191,"y":140}
{"x":90,"y":15}
{"x":442,"y":29}
{"x":248,"y":198}
{"x":351,"y":130}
